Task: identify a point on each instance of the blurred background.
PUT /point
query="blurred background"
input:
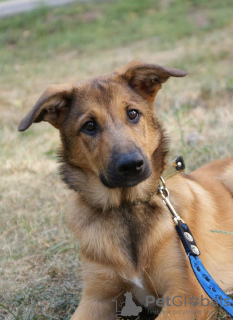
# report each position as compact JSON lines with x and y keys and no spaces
{"x":39,"y":260}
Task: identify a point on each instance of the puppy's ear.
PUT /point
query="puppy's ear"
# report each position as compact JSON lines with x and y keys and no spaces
{"x":146,"y":79}
{"x":52,"y":106}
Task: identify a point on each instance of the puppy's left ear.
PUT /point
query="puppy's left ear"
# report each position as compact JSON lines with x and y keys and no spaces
{"x":147,"y":79}
{"x":52,"y":106}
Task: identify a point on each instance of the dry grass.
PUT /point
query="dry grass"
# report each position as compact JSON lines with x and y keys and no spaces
{"x":39,"y":261}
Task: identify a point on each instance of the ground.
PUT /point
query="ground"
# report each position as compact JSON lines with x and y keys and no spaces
{"x":39,"y":259}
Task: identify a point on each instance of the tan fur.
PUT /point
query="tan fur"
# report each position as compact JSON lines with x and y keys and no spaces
{"x":127,"y":246}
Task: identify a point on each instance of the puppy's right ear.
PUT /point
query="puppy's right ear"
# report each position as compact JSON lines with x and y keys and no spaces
{"x":52,"y":106}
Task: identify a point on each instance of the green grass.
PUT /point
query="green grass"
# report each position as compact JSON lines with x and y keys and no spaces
{"x":89,"y":27}
{"x":39,"y":259}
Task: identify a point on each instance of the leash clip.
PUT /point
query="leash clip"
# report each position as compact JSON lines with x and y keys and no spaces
{"x":181,"y":227}
{"x":163,"y":190}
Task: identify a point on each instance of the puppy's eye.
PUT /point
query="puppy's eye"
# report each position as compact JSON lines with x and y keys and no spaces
{"x":89,"y":127}
{"x":133,"y":115}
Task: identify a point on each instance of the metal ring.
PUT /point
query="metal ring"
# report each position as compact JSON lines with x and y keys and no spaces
{"x":163,"y":188}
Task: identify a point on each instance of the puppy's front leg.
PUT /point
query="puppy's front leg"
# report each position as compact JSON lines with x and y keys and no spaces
{"x":101,"y":287}
{"x":92,"y":308}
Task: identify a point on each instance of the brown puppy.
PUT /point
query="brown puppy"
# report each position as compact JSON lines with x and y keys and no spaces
{"x":113,"y":152}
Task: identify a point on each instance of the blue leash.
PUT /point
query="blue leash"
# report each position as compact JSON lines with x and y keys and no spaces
{"x":206,"y":281}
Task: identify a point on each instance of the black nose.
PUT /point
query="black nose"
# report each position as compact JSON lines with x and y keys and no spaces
{"x":130,"y":163}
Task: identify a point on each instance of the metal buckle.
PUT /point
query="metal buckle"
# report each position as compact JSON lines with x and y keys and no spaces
{"x":165,"y":196}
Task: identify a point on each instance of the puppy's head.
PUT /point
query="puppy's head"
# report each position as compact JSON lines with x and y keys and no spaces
{"x":110,"y":135}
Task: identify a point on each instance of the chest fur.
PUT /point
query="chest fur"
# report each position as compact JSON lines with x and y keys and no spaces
{"x":119,"y":238}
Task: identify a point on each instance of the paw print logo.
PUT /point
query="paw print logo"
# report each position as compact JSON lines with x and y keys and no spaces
{"x":193,"y":301}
